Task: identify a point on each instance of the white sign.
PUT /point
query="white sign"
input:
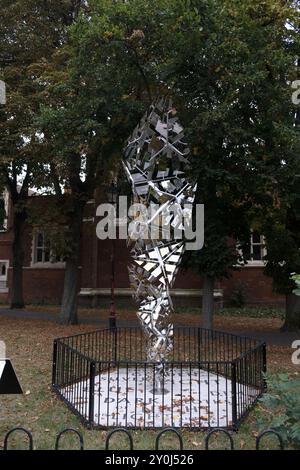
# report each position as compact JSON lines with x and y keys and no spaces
{"x":9,"y":383}
{"x":2,"y":365}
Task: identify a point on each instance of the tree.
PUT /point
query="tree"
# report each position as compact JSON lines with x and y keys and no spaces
{"x":226,"y":64}
{"x":281,"y":224}
{"x":95,"y":92}
{"x":231,"y":66}
{"x":232,"y":69}
{"x":30,"y":30}
{"x":282,"y":229}
{"x":228,"y":71}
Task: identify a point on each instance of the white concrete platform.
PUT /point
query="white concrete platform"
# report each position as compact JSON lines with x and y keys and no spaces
{"x":124,"y":398}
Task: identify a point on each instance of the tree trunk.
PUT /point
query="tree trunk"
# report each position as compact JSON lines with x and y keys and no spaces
{"x":16,"y":297}
{"x":68,"y":312}
{"x":292,"y":315}
{"x":208,"y":302}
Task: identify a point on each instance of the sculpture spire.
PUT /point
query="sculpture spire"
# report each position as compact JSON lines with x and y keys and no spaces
{"x":156,"y":160}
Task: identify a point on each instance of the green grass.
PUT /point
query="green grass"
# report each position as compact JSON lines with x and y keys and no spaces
{"x":29,"y":345}
{"x":251,"y":312}
{"x":246,"y":311}
{"x":44,"y":438}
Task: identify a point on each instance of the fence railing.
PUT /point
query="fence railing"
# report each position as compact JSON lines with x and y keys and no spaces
{"x":207,"y":442}
{"x":128,"y":344}
{"x":104,"y":378}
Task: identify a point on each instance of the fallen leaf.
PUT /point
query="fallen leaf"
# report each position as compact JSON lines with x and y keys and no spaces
{"x":196,"y":444}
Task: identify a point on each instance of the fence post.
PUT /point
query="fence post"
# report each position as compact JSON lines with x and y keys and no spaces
{"x":264,"y":351}
{"x":199,"y":333}
{"x":92,"y":392}
{"x":115,"y":343}
{"x":54,"y":362}
{"x":234,"y":395}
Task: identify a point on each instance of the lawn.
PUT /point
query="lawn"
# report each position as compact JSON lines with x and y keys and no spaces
{"x":29,"y":345}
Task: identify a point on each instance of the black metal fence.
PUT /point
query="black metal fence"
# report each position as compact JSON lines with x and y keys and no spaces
{"x":211,"y":379}
{"x":58,"y":445}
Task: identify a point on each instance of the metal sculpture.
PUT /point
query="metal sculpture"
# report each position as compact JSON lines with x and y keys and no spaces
{"x":156,"y":160}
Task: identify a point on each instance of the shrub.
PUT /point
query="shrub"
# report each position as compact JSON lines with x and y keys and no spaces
{"x":283,"y":401}
{"x":237,"y":298}
{"x":296,"y":279}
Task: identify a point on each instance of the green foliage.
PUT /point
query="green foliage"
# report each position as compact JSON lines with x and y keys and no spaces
{"x":283,"y":401}
{"x":296,"y":279}
{"x":237,"y":298}
{"x":232,"y":75}
{"x":252,"y":312}
{"x":282,"y":229}
{"x":83,"y":74}
{"x":30,"y":31}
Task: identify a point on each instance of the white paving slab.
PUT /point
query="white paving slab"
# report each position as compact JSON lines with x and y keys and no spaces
{"x":124,"y":398}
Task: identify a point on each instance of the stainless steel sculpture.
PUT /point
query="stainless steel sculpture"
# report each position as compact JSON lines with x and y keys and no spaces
{"x":156,"y":160}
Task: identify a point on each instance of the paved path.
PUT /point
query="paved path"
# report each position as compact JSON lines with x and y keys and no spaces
{"x":275,"y":338}
{"x":23,"y":314}
{"x":272,"y":338}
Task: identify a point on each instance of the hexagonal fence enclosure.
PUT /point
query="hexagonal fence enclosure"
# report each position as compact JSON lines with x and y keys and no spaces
{"x":211,"y":379}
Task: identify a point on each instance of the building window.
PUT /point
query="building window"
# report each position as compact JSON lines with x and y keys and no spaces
{"x":42,"y":252}
{"x":42,"y":249}
{"x":3,"y":211}
{"x":4,"y":264}
{"x":3,"y":270}
{"x":257,"y":251}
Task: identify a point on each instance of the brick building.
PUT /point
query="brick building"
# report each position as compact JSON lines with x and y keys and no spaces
{"x":43,"y":278}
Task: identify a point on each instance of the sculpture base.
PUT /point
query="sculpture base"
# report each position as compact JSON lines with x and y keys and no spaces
{"x":190,"y":398}
{"x":211,"y":379}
